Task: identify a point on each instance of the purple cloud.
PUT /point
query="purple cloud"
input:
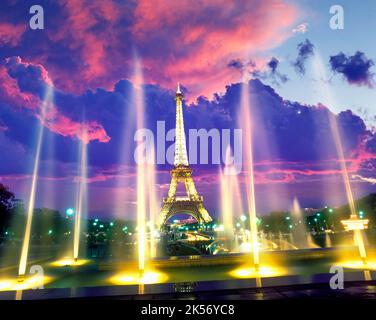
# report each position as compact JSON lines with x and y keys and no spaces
{"x":305,"y":50}
{"x":235,"y":64}
{"x":273,"y":64}
{"x":355,"y":69}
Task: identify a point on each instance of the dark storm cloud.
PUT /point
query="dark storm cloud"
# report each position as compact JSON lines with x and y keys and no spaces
{"x":356,"y":69}
{"x":305,"y":50}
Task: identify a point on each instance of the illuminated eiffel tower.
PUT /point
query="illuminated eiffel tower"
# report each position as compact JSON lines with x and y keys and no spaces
{"x":192,"y":203}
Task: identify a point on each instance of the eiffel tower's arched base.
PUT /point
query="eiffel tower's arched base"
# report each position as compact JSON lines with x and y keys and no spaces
{"x":191,"y":204}
{"x":193,"y":208}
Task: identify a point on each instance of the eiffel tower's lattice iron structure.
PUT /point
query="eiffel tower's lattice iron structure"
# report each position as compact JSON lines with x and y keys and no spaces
{"x":192,"y":203}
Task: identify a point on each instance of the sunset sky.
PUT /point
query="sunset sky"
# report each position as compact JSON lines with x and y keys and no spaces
{"x":298,"y":69}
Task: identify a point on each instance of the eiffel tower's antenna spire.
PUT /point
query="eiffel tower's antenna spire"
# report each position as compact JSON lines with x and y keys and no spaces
{"x":181,"y":158}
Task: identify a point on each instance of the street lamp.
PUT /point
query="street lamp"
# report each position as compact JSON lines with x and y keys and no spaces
{"x":69,"y":212}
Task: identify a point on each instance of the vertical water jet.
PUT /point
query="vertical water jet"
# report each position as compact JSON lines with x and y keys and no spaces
{"x":358,"y":240}
{"x":228,"y":189}
{"x":26,"y":241}
{"x":302,"y":238}
{"x":141,"y":167}
{"x":82,"y":194}
{"x":245,"y":120}
{"x":153,"y":203}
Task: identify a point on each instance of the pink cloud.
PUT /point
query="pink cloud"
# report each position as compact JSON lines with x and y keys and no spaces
{"x":62,"y":125}
{"x":198,"y":48}
{"x":175,"y":40}
{"x":11,"y":34}
{"x":93,"y":45}
{"x":17,"y":63}
{"x":10,"y":92}
{"x":54,"y":120}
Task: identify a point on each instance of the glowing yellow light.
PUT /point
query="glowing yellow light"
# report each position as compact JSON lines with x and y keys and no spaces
{"x":220,"y":228}
{"x":358,"y":264}
{"x":69,"y":262}
{"x":28,"y":283}
{"x":354,"y":223}
{"x":148,"y":277}
{"x":5,"y":285}
{"x":251,"y":272}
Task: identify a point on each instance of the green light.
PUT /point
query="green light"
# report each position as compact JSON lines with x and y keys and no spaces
{"x":94,"y":223}
{"x":238,"y":225}
{"x":243,"y":218}
{"x":318,"y":214}
{"x":125,"y":228}
{"x":69,"y":211}
{"x":330,"y":210}
{"x":96,"y":220}
{"x":290,"y":226}
{"x":6,"y":232}
{"x":101,"y":226}
{"x":50,"y":231}
{"x":111,"y":224}
{"x":287,"y":218}
{"x":315,"y":220}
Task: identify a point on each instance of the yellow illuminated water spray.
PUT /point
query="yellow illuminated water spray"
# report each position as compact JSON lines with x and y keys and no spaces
{"x":81,"y":197}
{"x":357,"y":225}
{"x":229,"y":194}
{"x":141,"y":169}
{"x":26,"y":242}
{"x":246,"y":124}
{"x":353,"y":223}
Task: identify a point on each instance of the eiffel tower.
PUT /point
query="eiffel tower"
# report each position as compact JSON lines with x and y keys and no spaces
{"x":192,"y":203}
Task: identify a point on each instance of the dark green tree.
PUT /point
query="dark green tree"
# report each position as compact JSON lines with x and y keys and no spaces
{"x":7,"y":203}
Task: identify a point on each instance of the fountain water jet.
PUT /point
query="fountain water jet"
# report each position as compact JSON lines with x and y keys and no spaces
{"x":26,"y":242}
{"x":357,"y":225}
{"x":358,"y":240}
{"x":82,"y":193}
{"x":302,"y":238}
{"x":245,"y":120}
{"x":141,"y":167}
{"x":328,"y":241}
{"x":229,"y":194}
{"x":153,"y":203}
